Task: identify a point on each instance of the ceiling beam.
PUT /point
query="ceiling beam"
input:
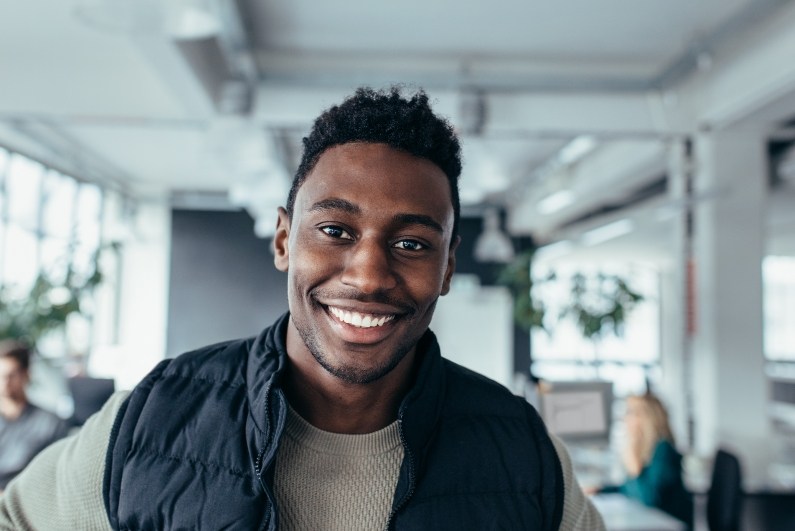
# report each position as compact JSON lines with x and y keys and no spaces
{"x":541,"y":115}
{"x":614,"y":171}
{"x":748,"y":79}
{"x":176,"y":72}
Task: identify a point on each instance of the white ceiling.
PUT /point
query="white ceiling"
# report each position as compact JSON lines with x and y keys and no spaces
{"x":622,"y":38}
{"x":135,"y":109}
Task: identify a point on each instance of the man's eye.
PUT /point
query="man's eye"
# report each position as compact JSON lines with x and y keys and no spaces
{"x":410,"y":245}
{"x":336,"y":232}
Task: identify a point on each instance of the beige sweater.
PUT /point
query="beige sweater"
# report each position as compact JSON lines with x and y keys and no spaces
{"x":62,"y":488}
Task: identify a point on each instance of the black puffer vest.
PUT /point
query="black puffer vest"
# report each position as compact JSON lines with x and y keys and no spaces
{"x":194,"y":446}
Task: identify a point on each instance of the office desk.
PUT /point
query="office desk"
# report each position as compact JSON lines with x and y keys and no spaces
{"x":624,"y":514}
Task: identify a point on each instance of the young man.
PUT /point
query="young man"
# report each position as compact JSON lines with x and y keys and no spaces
{"x":342,"y":414}
{"x":25,"y":429}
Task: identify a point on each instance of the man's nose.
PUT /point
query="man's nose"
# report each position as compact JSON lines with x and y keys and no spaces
{"x":369,"y":267}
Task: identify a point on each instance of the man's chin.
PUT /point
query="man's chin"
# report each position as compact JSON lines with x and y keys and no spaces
{"x":357,"y":374}
{"x":350,"y":373}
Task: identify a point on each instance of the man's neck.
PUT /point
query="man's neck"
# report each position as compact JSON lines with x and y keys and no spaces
{"x":11,"y":408}
{"x":331,"y":404}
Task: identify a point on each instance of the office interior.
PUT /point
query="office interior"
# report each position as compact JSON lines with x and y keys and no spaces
{"x":153,"y":141}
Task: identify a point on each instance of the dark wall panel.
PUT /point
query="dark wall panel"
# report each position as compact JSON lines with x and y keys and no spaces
{"x":223,"y":284}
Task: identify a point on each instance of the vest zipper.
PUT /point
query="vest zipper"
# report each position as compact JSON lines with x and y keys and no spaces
{"x":259,"y":464}
{"x":410,"y":457}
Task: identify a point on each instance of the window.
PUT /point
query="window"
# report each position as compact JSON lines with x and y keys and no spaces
{"x":50,"y":225}
{"x":627,"y":360}
{"x":778,"y":274}
{"x":778,"y":278}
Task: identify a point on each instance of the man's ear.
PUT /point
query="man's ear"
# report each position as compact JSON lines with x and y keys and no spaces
{"x":448,"y":274}
{"x":281,"y":241}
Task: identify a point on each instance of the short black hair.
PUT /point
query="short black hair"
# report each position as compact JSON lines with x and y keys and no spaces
{"x":385,"y":117}
{"x":16,"y":350}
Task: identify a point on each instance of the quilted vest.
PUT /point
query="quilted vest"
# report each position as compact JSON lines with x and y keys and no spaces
{"x":194,"y":446}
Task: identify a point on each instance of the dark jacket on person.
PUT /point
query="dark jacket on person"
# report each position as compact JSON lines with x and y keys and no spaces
{"x":194,"y":446}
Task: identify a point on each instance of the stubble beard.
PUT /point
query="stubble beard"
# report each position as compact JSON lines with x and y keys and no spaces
{"x":347,"y":373}
{"x":310,"y":335}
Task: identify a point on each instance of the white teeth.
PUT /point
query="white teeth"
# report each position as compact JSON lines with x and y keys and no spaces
{"x":360,"y":320}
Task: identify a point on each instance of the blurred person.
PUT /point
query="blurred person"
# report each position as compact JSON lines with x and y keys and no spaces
{"x":25,"y":429}
{"x":653,"y":465}
{"x":342,"y":414}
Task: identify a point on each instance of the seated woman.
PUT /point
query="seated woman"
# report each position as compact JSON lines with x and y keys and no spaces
{"x":654,"y":466}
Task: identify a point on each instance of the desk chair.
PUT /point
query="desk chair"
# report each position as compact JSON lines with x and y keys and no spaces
{"x":724,"y":499}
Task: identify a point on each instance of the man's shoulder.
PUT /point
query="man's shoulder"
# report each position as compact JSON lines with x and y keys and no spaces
{"x":470,"y":392}
{"x":223,"y":362}
{"x":216,"y":351}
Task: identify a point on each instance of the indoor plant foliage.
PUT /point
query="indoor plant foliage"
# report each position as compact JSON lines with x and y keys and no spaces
{"x":48,"y":304}
{"x":528,"y":311}
{"x":598,"y":303}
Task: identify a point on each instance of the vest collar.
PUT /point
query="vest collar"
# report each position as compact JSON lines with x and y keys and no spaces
{"x":266,"y":361}
{"x":419,"y":411}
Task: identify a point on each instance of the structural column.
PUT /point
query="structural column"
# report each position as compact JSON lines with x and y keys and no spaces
{"x":675,"y":345}
{"x":729,"y":385}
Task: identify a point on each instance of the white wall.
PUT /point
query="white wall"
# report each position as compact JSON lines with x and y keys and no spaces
{"x":474,"y":327}
{"x":142,"y":316}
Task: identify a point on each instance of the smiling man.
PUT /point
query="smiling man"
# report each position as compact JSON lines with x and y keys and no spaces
{"x":368,"y":247}
{"x":343,"y":414}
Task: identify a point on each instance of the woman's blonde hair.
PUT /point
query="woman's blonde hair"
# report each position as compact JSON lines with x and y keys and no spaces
{"x":654,"y":423}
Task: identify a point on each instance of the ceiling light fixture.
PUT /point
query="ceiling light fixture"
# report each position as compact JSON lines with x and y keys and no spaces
{"x":192,"y":19}
{"x":493,"y":245}
{"x":568,"y":155}
{"x":608,"y":232}
{"x":472,"y":112}
{"x":555,"y":202}
{"x":576,"y":149}
{"x":554,"y":250}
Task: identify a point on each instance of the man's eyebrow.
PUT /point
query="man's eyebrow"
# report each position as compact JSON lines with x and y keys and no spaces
{"x":335,"y":204}
{"x":419,"y":219}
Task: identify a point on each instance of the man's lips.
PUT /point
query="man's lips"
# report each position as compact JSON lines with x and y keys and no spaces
{"x":360,"y":322}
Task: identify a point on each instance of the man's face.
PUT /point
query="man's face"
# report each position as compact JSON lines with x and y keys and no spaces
{"x":368,"y":252}
{"x":13,"y":379}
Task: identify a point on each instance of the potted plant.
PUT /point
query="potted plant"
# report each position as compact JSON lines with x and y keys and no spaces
{"x":598,"y":304}
{"x":47,"y":306}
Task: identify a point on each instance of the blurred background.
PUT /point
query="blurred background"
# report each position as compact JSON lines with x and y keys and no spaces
{"x":628,"y":192}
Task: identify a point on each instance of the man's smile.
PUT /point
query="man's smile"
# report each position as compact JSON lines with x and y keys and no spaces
{"x":360,"y":320}
{"x":357,"y":325}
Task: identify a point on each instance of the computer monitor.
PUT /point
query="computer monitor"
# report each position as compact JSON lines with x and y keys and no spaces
{"x":578,"y":411}
{"x":89,"y":395}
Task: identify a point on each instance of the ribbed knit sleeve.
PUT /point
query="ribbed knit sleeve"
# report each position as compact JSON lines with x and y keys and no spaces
{"x":62,"y":487}
{"x":579,"y":514}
